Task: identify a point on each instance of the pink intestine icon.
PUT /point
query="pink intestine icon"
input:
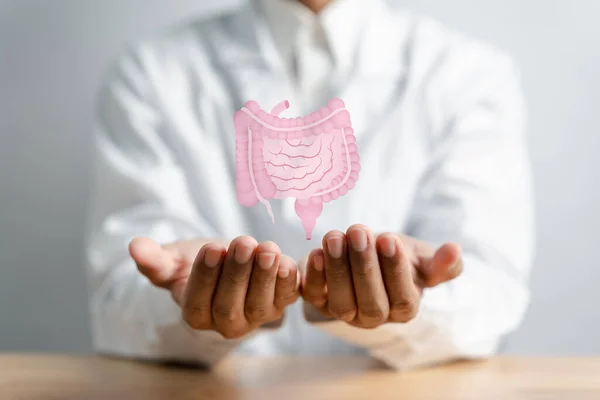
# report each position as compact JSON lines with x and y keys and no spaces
{"x":313,"y":159}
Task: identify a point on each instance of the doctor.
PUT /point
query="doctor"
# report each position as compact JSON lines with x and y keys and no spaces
{"x":425,"y":261}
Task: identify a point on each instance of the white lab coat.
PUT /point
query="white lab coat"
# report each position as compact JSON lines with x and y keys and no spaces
{"x":440,"y":125}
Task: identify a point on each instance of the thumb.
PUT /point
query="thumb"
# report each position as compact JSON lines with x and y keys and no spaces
{"x":445,"y":264}
{"x":155,"y":262}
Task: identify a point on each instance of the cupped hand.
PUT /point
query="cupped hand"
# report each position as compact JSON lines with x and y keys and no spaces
{"x":230,"y":290}
{"x":368,"y":280}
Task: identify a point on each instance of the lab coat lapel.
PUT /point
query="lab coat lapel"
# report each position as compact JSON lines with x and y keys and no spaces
{"x":376,"y":84}
{"x":256,"y":68}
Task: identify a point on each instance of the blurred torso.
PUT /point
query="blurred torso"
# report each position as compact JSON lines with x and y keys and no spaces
{"x":205,"y":72}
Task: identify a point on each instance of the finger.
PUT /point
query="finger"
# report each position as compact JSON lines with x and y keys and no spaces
{"x":261,"y":292}
{"x":287,"y":285}
{"x":341,"y":299}
{"x":371,"y":296}
{"x":403,"y":293}
{"x":200,"y":288}
{"x":314,"y":288}
{"x":445,"y":264}
{"x":159,"y":264}
{"x":230,"y":296}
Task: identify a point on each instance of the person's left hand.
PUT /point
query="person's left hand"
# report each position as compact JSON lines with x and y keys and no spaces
{"x":367,"y":281}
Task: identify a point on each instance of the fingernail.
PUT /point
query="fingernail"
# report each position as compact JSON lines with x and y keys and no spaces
{"x":455,"y":265}
{"x":266,"y":260}
{"x":242,"y":254}
{"x":318,"y":262}
{"x":212,"y":258}
{"x":334,"y":246}
{"x":388,"y":247}
{"x":358,"y":239}
{"x":283,"y":272}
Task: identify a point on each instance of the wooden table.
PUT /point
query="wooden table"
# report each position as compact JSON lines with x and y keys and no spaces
{"x":53,"y":377}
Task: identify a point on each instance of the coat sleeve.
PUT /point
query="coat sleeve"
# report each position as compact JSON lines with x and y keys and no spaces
{"x":139,"y":189}
{"x":477,"y":192}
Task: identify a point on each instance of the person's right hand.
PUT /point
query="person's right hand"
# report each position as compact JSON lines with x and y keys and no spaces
{"x":232,"y":291}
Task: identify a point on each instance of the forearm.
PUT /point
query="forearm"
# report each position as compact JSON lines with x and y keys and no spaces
{"x":146,"y":321}
{"x":464,"y":318}
{"x":132,"y":318}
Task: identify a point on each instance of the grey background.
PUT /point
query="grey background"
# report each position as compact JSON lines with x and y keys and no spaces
{"x":52,"y":55}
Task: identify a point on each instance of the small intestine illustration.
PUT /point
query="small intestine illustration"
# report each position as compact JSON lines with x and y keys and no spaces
{"x":313,"y":159}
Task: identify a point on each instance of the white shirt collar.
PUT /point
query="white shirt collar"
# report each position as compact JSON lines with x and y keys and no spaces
{"x":341,"y":21}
